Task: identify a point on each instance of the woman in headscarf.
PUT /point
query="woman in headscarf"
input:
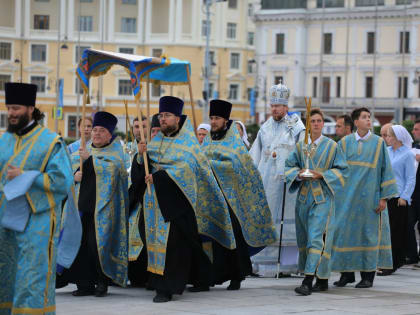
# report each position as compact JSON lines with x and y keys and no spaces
{"x":403,"y":165}
{"x":242,"y":132}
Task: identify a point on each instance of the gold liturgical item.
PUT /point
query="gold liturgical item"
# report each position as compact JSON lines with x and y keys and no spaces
{"x":308,"y":149}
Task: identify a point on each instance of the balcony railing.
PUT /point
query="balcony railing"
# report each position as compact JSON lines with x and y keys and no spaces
{"x":283,"y":4}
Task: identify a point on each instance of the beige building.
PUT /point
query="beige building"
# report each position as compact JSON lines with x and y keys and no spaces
{"x":30,"y":29}
{"x":366,"y":54}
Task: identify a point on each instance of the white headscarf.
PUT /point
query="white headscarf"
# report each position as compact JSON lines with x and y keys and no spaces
{"x":245,"y":136}
{"x":204,"y":126}
{"x":402,"y":135}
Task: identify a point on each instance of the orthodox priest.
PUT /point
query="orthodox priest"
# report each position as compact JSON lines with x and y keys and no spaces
{"x":275,"y":140}
{"x":184,"y":210}
{"x":243,"y":189}
{"x":35,"y":178}
{"x":315,"y":205}
{"x":363,"y":242}
{"x":103,"y":202}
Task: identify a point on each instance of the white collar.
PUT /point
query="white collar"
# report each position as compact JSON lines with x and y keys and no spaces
{"x":317,"y":141}
{"x":358,"y":137}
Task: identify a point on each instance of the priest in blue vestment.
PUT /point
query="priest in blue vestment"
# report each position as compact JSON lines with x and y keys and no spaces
{"x":103,"y":203}
{"x":35,"y":178}
{"x":184,"y":209}
{"x":315,"y":203}
{"x":362,"y":242}
{"x":242,"y":186}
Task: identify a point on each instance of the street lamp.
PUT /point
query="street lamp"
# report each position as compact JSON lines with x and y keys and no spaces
{"x":259,"y":79}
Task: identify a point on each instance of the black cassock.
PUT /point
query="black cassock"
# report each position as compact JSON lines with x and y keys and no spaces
{"x":186,"y":261}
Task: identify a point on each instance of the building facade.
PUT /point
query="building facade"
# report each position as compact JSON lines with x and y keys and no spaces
{"x":41,"y":40}
{"x":342,"y":53}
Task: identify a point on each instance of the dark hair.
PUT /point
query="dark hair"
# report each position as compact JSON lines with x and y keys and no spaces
{"x":357,"y":112}
{"x":143,"y":118}
{"x":37,"y":115}
{"x":417,"y":121}
{"x":86,"y":118}
{"x":316,"y":111}
{"x":347,"y":121}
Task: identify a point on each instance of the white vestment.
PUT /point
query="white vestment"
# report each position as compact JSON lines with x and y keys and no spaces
{"x":274,"y":142}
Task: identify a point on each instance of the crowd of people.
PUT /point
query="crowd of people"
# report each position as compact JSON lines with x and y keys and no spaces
{"x":195,"y":208}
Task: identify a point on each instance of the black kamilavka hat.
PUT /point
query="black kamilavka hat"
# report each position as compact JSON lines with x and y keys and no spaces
{"x":220,"y":108}
{"x":20,"y":94}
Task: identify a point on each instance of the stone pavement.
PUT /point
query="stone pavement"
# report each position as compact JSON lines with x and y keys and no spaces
{"x":396,"y":294}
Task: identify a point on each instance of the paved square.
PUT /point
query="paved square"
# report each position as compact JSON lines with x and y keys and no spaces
{"x":396,"y":294}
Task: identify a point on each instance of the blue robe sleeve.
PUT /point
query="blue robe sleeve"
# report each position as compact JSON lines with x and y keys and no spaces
{"x":293,"y":165}
{"x":53,"y":184}
{"x":389,"y":187}
{"x":336,"y":174}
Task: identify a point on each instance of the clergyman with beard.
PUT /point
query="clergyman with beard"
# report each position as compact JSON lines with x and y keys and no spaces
{"x":35,"y":177}
{"x":275,"y":140}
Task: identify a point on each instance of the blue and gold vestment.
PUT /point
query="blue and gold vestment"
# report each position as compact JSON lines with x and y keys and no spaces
{"x":315,"y":204}
{"x":362,"y":240}
{"x":28,"y":258}
{"x":111,"y":208}
{"x":242,"y":186}
{"x":182,"y":159}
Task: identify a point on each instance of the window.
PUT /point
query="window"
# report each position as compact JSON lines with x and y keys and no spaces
{"x":338,"y":87}
{"x":404,"y":42}
{"x":157,"y":52}
{"x":279,"y":44}
{"x":234,"y":60}
{"x":5,"y":51}
{"x":283,"y":4}
{"x":78,"y":87}
{"x":314,"y":86}
{"x":41,"y":22}
{"x":233,"y":91}
{"x":3,"y":120}
{"x":38,"y":53}
{"x":402,"y":87}
{"x":326,"y":85}
{"x":251,"y":38}
{"x":330,"y":3}
{"x":71,"y":123}
{"x":129,"y":1}
{"x":39,"y":81}
{"x":369,"y":87}
{"x":370,"y":43}
{"x":248,"y":94}
{"x":204,"y":28}
{"x":124,"y":87}
{"x":4,"y":78}
{"x":211,"y":89}
{"x":87,"y":1}
{"x":79,"y":52}
{"x":128,"y":25}
{"x":232,"y":4}
{"x":368,"y":3}
{"x":42,"y":0}
{"x":211,"y":57}
{"x":327,"y":43}
{"x":126,"y":50}
{"x":278,"y":79}
{"x":250,"y":9}
{"x":402,"y":2}
{"x":231,"y":30}
{"x":250,"y":66}
{"x":85,"y":23}
{"x":155,"y":90}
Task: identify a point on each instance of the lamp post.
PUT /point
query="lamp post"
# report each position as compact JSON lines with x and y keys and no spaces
{"x":260,"y":83}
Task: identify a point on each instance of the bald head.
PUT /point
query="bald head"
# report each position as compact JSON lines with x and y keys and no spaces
{"x":384,"y":132}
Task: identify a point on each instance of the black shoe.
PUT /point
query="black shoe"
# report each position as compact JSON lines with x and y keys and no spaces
{"x":83,"y":292}
{"x":254,"y":275}
{"x":198,"y":289}
{"x":343,"y":281}
{"x":162,"y":298}
{"x":234,"y":285}
{"x":364,"y":284}
{"x":101,"y":290}
{"x":320,"y":287}
{"x":303,"y":290}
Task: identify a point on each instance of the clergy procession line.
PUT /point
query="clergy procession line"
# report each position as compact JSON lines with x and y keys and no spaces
{"x":215,"y":212}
